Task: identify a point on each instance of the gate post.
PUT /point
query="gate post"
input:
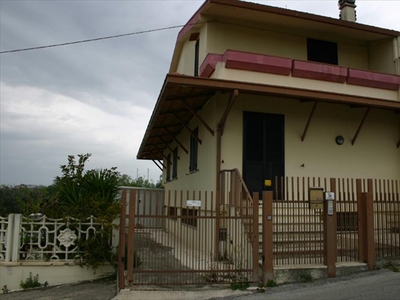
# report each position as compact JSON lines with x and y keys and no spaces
{"x":131,"y":232}
{"x":9,"y":238}
{"x":256,"y":234}
{"x":360,"y":209}
{"x":330,"y":234}
{"x":121,"y":249}
{"x":368,"y":224}
{"x":267,"y":242}
{"x":16,"y":231}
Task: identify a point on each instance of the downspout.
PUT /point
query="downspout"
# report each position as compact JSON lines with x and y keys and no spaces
{"x":220,"y":132}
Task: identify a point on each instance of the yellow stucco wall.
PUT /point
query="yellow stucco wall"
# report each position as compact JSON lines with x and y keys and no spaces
{"x":302,"y":83}
{"x":374,"y":154}
{"x":381,"y":56}
{"x":223,"y":36}
{"x":217,"y":37}
{"x":204,"y":179}
{"x":186,"y":61}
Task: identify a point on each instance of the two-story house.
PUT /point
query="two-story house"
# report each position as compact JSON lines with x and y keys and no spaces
{"x":274,"y":93}
{"x":264,"y":98}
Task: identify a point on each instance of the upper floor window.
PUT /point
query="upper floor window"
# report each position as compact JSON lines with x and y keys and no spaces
{"x":168,"y":178}
{"x":175,"y":164}
{"x":196,"y":58}
{"x":322,"y":51}
{"x":193,"y":151}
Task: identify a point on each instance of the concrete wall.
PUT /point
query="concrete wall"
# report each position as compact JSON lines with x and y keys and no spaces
{"x":55,"y":273}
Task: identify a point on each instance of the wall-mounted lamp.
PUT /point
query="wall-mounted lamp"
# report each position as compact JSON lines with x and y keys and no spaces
{"x":339,"y":140}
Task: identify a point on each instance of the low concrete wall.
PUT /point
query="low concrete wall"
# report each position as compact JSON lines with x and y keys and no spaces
{"x":299,"y":273}
{"x":55,"y":273}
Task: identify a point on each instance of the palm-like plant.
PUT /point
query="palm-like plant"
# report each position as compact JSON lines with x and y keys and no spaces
{"x":83,"y":193}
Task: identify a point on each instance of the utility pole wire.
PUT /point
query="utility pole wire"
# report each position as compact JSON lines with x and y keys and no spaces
{"x":92,"y":40}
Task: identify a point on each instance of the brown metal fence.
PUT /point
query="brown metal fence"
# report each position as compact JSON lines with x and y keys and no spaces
{"x":184,"y":245}
{"x":182,"y":237}
{"x":386,"y":195}
{"x":298,"y":230}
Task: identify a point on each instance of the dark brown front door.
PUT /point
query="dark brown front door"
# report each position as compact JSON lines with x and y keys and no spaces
{"x":263,"y":151}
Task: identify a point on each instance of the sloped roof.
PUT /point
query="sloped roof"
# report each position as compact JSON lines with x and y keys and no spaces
{"x":171,"y":114}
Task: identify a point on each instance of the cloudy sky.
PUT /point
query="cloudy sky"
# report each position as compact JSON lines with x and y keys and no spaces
{"x":97,"y":97}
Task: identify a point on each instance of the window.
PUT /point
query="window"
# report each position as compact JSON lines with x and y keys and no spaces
{"x":196,"y":59}
{"x":172,"y":213}
{"x":169,"y":167}
{"x":175,"y":164}
{"x":191,"y":217}
{"x":193,"y":151}
{"x":322,"y":51}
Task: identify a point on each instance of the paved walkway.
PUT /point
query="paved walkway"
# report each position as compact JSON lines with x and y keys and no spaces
{"x":185,"y":293}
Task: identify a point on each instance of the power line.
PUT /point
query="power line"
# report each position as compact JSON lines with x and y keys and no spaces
{"x":92,"y":40}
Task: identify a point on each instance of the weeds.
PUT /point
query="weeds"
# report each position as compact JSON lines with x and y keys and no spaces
{"x":32,"y":282}
{"x":389,"y":265}
{"x":271,"y":283}
{"x":305,"y":276}
{"x":5,"y":289}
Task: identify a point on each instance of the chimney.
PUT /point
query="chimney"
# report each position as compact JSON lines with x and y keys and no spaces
{"x":347,"y":10}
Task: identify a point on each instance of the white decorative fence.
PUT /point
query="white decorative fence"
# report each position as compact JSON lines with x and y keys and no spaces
{"x":43,"y":239}
{"x":4,"y":224}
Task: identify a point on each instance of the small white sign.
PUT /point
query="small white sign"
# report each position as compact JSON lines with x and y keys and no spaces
{"x":193,"y":203}
{"x":329,"y":196}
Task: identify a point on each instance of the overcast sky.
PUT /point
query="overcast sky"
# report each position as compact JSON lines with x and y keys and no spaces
{"x":98,"y":97}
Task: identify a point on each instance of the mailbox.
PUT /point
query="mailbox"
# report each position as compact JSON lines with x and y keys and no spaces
{"x":316,"y":196}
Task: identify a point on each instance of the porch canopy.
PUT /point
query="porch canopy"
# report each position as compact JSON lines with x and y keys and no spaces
{"x":181,"y":97}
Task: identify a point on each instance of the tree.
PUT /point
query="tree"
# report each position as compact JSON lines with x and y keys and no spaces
{"x":126,"y":180}
{"x":24,"y":200}
{"x":81,"y":193}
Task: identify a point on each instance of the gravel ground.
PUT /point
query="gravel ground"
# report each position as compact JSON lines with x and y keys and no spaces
{"x":97,"y":290}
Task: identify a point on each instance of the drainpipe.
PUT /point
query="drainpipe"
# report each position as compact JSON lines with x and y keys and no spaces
{"x":220,"y":132}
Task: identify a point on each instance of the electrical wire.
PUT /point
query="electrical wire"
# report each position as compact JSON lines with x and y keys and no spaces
{"x":92,"y":40}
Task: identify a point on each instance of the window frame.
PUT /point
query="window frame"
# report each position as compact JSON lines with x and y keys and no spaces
{"x":168,"y":175}
{"x":175,"y":164}
{"x":189,"y":216}
{"x":321,"y":51}
{"x":196,"y":58}
{"x":193,"y":155}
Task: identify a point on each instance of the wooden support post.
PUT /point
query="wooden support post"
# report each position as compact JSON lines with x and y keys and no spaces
{"x":131,"y":232}
{"x":256,"y":233}
{"x":267,"y":246}
{"x":368,"y":224}
{"x":330,"y":234}
{"x":121,"y":249}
